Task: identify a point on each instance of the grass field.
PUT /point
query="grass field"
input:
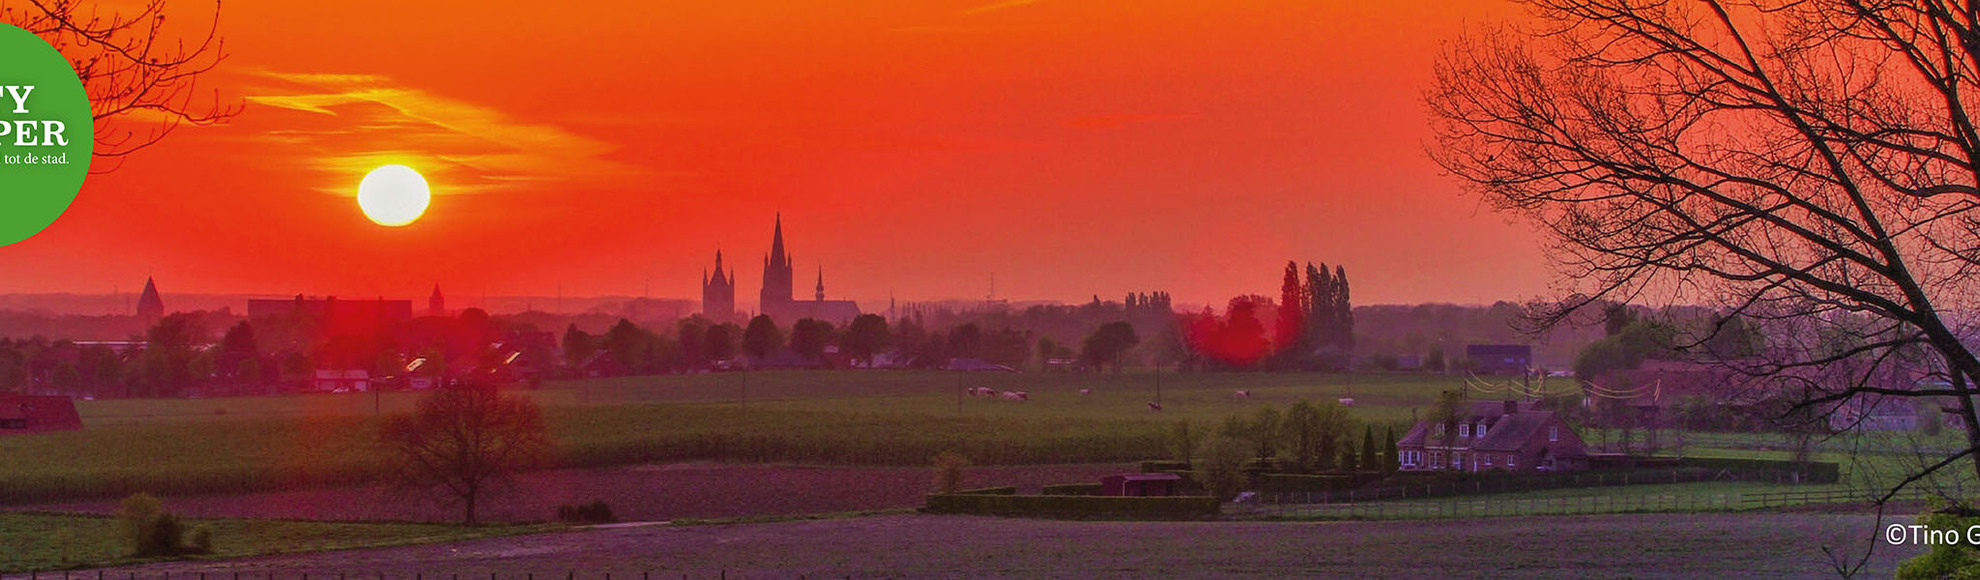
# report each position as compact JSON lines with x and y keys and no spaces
{"x":63,"y":541}
{"x":847,"y":418}
{"x":178,"y":446}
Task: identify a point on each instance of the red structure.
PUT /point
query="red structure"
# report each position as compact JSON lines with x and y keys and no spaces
{"x":30,"y":414}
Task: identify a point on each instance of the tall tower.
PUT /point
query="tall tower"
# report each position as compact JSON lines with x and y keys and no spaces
{"x":777,"y":289}
{"x":436,"y":305}
{"x":718,"y":294}
{"x":150,"y":307}
{"x":821,"y":284}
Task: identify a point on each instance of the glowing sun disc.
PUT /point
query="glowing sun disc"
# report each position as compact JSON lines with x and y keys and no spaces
{"x":393,"y":195}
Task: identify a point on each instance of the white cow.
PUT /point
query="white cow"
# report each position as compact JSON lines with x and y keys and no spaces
{"x":1246,"y":395}
{"x":1086,"y":391}
{"x":1347,"y":401}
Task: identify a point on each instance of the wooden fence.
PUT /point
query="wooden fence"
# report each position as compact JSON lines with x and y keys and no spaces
{"x":1615,"y":503}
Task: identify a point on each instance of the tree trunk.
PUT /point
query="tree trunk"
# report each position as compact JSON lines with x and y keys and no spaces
{"x":468,"y":501}
{"x":1967,"y":417}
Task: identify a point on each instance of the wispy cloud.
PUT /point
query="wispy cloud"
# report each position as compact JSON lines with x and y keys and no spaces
{"x":372,"y":120}
{"x":997,"y":6}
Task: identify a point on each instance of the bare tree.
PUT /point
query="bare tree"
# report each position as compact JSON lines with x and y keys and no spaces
{"x":462,"y":440}
{"x":142,"y":82}
{"x":1809,"y":167}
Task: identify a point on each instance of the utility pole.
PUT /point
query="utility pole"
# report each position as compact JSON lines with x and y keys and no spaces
{"x":959,"y":393}
{"x":1158,"y":385}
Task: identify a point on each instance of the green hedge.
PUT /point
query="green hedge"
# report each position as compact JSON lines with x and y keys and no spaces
{"x":1075,"y":506}
{"x":1074,"y":489}
{"x":1163,"y":465}
{"x":1299,"y":482}
{"x":1006,"y":490}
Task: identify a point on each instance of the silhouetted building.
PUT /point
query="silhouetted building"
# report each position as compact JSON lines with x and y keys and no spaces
{"x":1499,"y":359}
{"x":150,"y":307}
{"x":333,"y":309}
{"x":718,"y":294}
{"x":342,"y":380}
{"x":436,"y":305}
{"x":777,"y":298}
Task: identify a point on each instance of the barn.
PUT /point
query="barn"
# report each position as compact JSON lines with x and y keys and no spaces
{"x":30,"y":414}
{"x":1499,"y":359}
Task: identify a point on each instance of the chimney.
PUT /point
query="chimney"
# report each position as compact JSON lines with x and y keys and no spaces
{"x":1512,"y":406}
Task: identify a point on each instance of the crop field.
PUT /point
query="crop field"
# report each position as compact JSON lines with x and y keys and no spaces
{"x":1640,"y":546}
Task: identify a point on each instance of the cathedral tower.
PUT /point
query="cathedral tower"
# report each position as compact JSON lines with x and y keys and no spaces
{"x":718,"y":294}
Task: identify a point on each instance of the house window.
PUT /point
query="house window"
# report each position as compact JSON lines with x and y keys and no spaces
{"x":1554,"y":433}
{"x":1464,"y":430}
{"x":1457,"y":461}
{"x":1436,"y":458}
{"x":1481,"y":429}
{"x":1509,"y":461}
{"x":1488,"y":461}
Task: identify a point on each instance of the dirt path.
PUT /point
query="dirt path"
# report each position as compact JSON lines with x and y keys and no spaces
{"x":1747,"y":546}
{"x":638,"y":493}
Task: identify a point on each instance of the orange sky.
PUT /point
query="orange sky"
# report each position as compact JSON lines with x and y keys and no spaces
{"x":1071,"y":148}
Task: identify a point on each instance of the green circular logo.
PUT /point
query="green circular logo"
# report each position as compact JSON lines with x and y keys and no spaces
{"x":46,"y":134}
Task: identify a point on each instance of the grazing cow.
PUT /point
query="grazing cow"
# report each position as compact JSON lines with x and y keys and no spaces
{"x":982,"y":392}
{"x":1347,"y":401}
{"x":1246,"y":395}
{"x":1017,"y":396}
{"x":1086,"y":391}
{"x":1154,"y":406}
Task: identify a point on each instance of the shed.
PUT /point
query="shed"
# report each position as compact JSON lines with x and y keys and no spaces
{"x":25,"y":414}
{"x":1140,"y":484}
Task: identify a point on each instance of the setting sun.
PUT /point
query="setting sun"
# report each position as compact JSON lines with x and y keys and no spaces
{"x":393,"y":195}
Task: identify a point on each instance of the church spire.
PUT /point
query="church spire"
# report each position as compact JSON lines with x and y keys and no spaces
{"x":150,"y":307}
{"x":721,"y":277}
{"x":777,"y":256}
{"x":821,"y":283}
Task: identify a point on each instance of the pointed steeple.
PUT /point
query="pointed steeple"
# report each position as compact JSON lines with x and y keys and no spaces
{"x":436,"y":305}
{"x":777,"y":255}
{"x":150,"y":306}
{"x":720,"y":278}
{"x":821,"y":283}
